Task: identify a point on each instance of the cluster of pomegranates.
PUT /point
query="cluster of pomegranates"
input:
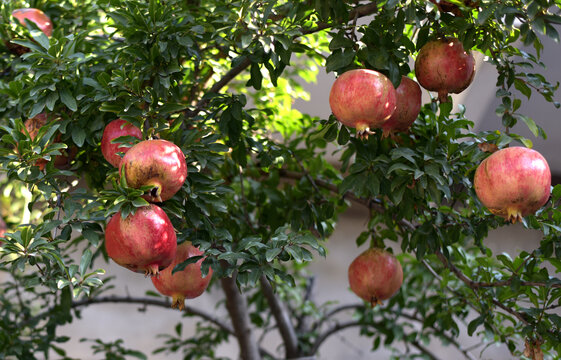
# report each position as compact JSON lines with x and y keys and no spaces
{"x":145,"y":241}
{"x":512,"y":182}
{"x":366,"y":99}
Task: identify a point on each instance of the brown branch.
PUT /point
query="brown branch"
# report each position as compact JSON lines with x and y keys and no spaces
{"x":516,"y":314}
{"x":236,"y":305}
{"x":332,"y":330}
{"x":476,"y":284}
{"x":358,"y":307}
{"x":424,"y":350}
{"x":154,"y":302}
{"x":341,"y":326}
{"x":146,"y":301}
{"x":282,"y":318}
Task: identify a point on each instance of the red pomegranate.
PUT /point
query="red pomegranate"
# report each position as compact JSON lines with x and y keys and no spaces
{"x":513,"y":182}
{"x":158,"y":163}
{"x":3,"y":229}
{"x":375,"y":275}
{"x":362,"y":99}
{"x":444,"y":66}
{"x":186,"y":284}
{"x":408,"y":107}
{"x":60,"y":161}
{"x":113,"y":130}
{"x":37,"y":16}
{"x":143,"y":242}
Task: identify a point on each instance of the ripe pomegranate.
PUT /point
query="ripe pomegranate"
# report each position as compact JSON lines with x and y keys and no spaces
{"x":143,"y":242}
{"x":186,"y":284}
{"x":408,"y":107}
{"x":37,"y":16}
{"x":513,"y":182}
{"x":375,"y":275}
{"x":158,"y":163}
{"x":113,"y":130}
{"x":362,"y":99}
{"x":444,"y":66}
{"x":60,"y":161}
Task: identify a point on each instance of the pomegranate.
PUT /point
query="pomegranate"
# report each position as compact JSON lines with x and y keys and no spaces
{"x":446,"y":6}
{"x":60,"y":161}
{"x":113,"y":130}
{"x":3,"y":229}
{"x":37,"y":16}
{"x":362,"y":99}
{"x":408,"y":107}
{"x":513,"y":182}
{"x":158,"y":163}
{"x":186,"y":284}
{"x":444,"y":66}
{"x":375,"y":275}
{"x":143,"y":242}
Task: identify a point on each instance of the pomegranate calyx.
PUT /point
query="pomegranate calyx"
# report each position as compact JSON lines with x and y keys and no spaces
{"x":155,"y":193}
{"x":178,"y":301}
{"x":375,"y":302}
{"x":363,"y":130}
{"x":513,"y":215}
{"x":152,"y":270}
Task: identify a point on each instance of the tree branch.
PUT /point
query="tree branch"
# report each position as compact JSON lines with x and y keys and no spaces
{"x":437,"y":331}
{"x":423,"y":349}
{"x":282,"y":318}
{"x":475,"y":285}
{"x":341,"y":326}
{"x":236,"y":305}
{"x":154,"y":302}
{"x":147,"y":301}
{"x":332,"y":330}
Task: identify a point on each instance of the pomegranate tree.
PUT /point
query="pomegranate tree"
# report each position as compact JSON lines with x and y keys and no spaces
{"x":186,"y":284}
{"x":375,"y":275}
{"x":362,"y":99}
{"x":513,"y":182}
{"x":444,"y":66}
{"x":142,"y":242}
{"x":407,"y":109}
{"x":113,"y":130}
{"x":157,"y":163}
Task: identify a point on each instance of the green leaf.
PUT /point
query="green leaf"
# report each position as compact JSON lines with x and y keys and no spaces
{"x":270,"y":254}
{"x":68,"y":99}
{"x":530,"y":123}
{"x":339,"y":59}
{"x":85,"y":261}
{"x":78,"y":136}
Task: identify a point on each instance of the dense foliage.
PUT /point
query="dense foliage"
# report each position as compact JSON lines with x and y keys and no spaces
{"x":218,"y":79}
